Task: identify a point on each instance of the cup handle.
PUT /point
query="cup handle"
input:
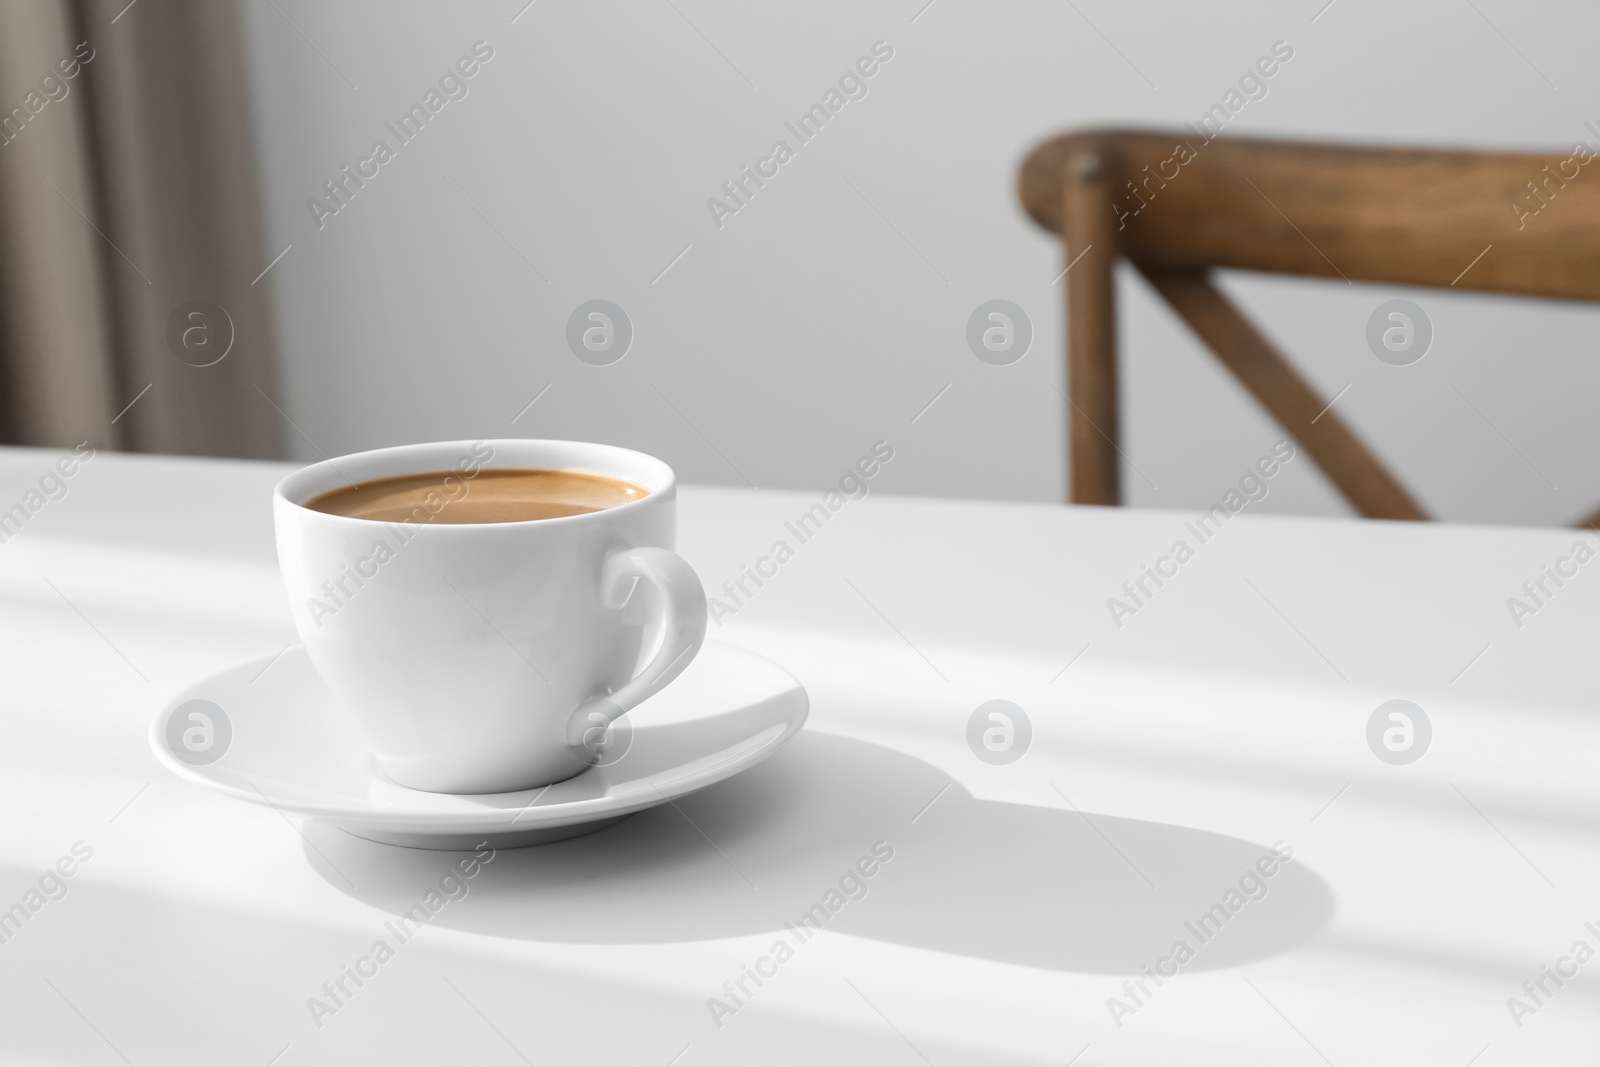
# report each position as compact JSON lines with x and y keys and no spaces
{"x":683,"y":631}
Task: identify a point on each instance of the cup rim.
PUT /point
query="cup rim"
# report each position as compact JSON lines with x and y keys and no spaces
{"x":283,"y":493}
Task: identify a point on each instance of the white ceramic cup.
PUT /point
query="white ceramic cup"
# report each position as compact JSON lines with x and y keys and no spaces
{"x":488,"y":657}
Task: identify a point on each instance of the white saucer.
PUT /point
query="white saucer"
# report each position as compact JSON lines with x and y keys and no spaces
{"x":284,"y":743}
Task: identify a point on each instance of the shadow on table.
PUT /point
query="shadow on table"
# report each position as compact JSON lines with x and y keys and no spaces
{"x":1015,"y":883}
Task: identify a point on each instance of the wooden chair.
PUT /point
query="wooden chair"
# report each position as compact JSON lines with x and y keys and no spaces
{"x":1176,"y":206}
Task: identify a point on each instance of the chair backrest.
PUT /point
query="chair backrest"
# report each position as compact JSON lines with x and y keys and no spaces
{"x":1178,"y":204}
{"x":1402,"y":216}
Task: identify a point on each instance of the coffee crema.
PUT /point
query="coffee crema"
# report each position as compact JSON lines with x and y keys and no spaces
{"x":492,"y":495}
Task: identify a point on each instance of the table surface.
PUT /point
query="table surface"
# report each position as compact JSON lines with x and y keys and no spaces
{"x":1168,"y":755}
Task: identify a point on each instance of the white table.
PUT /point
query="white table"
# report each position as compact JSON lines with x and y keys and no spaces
{"x":1228,"y":714}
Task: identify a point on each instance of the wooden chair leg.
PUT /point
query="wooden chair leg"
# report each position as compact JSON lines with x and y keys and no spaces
{"x":1090,"y":246}
{"x":1286,"y":395}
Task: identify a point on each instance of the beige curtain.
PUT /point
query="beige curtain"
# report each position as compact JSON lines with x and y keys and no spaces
{"x":130,"y":232}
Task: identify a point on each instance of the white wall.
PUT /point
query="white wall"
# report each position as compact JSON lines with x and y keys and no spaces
{"x":809,"y":326}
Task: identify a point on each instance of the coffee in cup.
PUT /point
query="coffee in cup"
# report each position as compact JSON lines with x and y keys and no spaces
{"x":492,"y":495}
{"x":485,"y":609}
